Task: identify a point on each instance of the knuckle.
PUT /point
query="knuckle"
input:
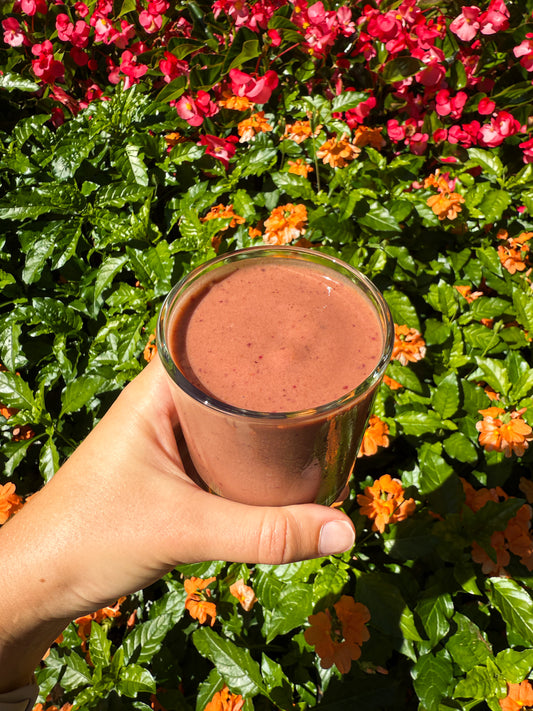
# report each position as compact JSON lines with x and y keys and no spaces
{"x":277,"y":543}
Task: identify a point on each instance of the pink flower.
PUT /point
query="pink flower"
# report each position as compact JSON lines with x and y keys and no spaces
{"x":194,"y":111}
{"x":440,"y":135}
{"x":466,"y":25}
{"x":31,"y":7}
{"x":486,"y":106}
{"x":395,"y":131}
{"x":151,"y":23}
{"x":45,"y":67}
{"x":13,"y":34}
{"x":495,"y":18}
{"x":172,"y":67}
{"x":450,"y":106}
{"x":219,"y":148}
{"x":527,"y":148}
{"x":500,"y":127}
{"x":418,"y":143}
{"x":121,"y":38}
{"x":525,"y":51}
{"x":132,"y":70}
{"x":257,"y":90}
{"x":81,"y":9}
{"x":356,"y":116}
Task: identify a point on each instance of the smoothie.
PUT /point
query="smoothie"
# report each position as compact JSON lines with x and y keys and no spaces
{"x":276,"y":336}
{"x":275,"y":355}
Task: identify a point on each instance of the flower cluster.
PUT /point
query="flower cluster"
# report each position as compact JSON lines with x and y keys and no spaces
{"x":198,"y":602}
{"x":384,"y":502}
{"x":338,"y":633}
{"x":516,"y":538}
{"x":503,"y":431}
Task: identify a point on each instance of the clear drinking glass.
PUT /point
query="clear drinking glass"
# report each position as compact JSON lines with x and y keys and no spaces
{"x":272,"y":458}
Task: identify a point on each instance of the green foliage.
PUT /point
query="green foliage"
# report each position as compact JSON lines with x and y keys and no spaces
{"x":100,"y":217}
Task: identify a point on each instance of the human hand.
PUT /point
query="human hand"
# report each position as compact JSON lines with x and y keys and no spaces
{"x":121,"y":512}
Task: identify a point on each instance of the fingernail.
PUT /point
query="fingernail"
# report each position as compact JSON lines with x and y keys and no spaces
{"x":335,"y":537}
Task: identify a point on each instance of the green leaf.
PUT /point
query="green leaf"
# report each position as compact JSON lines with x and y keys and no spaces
{"x":135,"y":679}
{"x":402,"y":310}
{"x":432,"y":679}
{"x":15,"y":392}
{"x":293,"y":607}
{"x":458,"y":446}
{"x":235,"y":664}
{"x":48,"y":459}
{"x":348,"y":100}
{"x":14,"y":82}
{"x":438,"y":481}
{"x":419,"y":423}
{"x":405,"y":376}
{"x":435,"y":610}
{"x":99,"y":646}
{"x":487,"y":160}
{"x":388,"y":610}
{"x":523,"y":304}
{"x":29,"y":203}
{"x":146,"y":638}
{"x":153,"y":266}
{"x":296,"y":186}
{"x":515,"y":606}
{"x":481,"y":682}
{"x":467,"y":645}
{"x":54,"y":317}
{"x":445,"y":399}
{"x":81,"y":391}
{"x":379,"y":219}
{"x":400,"y":68}
{"x":494,"y":204}
{"x":444,"y":298}
{"x":329,"y":582}
{"x":110,"y":267}
{"x":515,"y":665}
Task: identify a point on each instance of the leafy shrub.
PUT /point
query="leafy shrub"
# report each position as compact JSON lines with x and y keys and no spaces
{"x":139,"y":139}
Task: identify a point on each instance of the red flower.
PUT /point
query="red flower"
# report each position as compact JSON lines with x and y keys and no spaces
{"x":45,"y":67}
{"x":259,"y":90}
{"x":219,"y":148}
{"x":194,"y":111}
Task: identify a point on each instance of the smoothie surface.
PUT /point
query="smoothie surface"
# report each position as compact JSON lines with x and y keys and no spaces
{"x":275,"y":336}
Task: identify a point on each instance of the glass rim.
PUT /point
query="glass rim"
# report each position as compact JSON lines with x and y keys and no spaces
{"x":303,"y":254}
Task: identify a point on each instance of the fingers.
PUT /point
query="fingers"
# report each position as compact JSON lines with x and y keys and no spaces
{"x":271,"y":535}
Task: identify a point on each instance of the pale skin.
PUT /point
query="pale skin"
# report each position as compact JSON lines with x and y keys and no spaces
{"x":118,"y":515}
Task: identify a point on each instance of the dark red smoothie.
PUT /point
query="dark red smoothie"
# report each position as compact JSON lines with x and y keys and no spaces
{"x":275,"y":359}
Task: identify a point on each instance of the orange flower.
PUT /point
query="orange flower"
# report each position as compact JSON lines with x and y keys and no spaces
{"x":300,"y":130}
{"x":244,"y":594}
{"x":337,"y":635}
{"x":488,"y":565}
{"x":254,"y":233}
{"x":224,"y":700}
{"x":467,"y":292}
{"x":391,"y":383}
{"x":513,"y":256}
{"x":10,"y":502}
{"x":248,"y":128}
{"x":221,"y":212}
{"x":475,"y":499}
{"x":286,"y":223}
{"x":384,"y":502}
{"x":236,"y":103}
{"x":172,"y":139}
{"x":299,"y":167}
{"x":84,"y":622}
{"x":366,"y":136}
{"x":409,"y":346}
{"x":375,"y":436}
{"x":518,"y":696}
{"x":150,"y":349}
{"x":518,"y":536}
{"x":503,"y":432}
{"x":197,"y":602}
{"x":446,"y":204}
{"x":338,"y":152}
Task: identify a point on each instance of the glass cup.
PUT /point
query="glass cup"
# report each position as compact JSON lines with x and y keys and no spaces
{"x":272,"y":458}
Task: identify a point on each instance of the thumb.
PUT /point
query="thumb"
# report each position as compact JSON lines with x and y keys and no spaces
{"x":265,"y":534}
